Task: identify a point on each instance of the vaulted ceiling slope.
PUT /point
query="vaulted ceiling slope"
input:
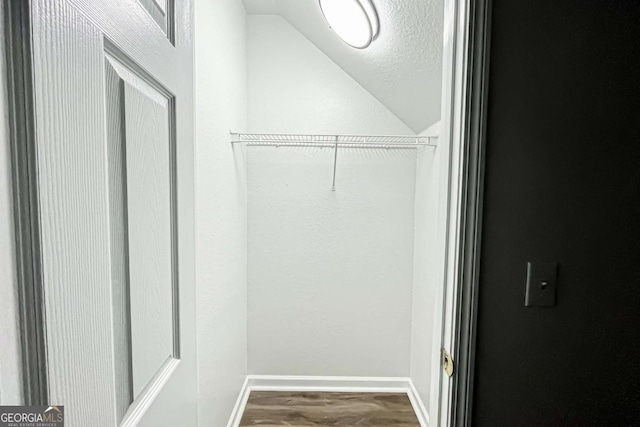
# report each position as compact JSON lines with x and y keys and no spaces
{"x":402,"y":68}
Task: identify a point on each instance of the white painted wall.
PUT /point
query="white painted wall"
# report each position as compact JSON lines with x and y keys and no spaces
{"x":295,"y":88}
{"x":402,"y":67}
{"x":426,"y":267}
{"x":10,"y":358}
{"x":221,"y":245}
{"x":330,"y":273}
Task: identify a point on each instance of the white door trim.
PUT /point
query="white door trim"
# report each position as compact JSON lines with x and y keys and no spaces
{"x":464,"y":105}
{"x":17,"y":30}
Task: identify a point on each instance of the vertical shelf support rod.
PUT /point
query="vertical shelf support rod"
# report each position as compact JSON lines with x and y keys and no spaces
{"x":335,"y":162}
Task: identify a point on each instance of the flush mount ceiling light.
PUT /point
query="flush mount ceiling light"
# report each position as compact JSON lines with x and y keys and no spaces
{"x":354,"y":21}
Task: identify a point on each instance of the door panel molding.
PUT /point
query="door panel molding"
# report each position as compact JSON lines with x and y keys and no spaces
{"x":161,"y":11}
{"x":119,"y":246}
{"x":126,"y":86}
{"x":130,"y":72}
{"x":140,"y":405}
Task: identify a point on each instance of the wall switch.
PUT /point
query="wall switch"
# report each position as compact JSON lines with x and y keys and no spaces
{"x":541,"y":284}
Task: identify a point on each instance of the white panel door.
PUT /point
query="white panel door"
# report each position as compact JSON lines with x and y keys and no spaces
{"x":113,"y":91}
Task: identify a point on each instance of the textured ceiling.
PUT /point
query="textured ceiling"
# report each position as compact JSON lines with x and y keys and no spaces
{"x":402,"y":68}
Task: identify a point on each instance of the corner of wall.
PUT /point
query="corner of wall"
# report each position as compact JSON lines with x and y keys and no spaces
{"x":425,"y":270}
{"x":221,"y":206}
{"x":433,"y":130}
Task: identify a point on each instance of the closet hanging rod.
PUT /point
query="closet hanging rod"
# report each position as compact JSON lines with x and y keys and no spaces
{"x":361,"y":141}
{"x":335,"y":142}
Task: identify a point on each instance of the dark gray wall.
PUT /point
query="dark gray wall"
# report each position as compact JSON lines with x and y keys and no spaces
{"x":563,"y":184}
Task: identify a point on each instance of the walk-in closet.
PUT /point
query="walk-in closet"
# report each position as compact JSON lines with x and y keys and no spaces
{"x":322,"y":232}
{"x":230,"y":213}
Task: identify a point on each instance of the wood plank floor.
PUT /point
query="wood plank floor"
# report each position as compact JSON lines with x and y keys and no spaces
{"x":302,"y":409}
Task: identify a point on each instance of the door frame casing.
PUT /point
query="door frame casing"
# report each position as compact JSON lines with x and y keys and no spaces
{"x":465,"y":90}
{"x":25,"y":201}
{"x":477,"y":103}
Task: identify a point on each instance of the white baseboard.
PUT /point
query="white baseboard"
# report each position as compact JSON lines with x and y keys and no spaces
{"x":241,"y":403}
{"x":418,"y":405}
{"x":328,"y":384}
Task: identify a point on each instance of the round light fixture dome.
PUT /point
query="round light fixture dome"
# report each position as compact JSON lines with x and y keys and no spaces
{"x":354,"y":21}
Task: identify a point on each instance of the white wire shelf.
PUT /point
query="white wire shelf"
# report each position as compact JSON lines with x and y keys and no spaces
{"x":387,"y":142}
{"x":355,"y":141}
